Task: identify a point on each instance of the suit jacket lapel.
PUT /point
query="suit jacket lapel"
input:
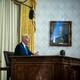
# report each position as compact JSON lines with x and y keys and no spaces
{"x":23,"y":49}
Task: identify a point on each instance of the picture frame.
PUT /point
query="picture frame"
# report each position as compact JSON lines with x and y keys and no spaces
{"x":60,"y":33}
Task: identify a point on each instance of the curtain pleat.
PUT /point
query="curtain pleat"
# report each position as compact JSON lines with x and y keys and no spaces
{"x":27,"y":25}
{"x":9,"y":29}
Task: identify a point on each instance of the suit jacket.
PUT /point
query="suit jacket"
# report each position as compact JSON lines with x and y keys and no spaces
{"x":20,"y":50}
{"x":64,"y":39}
{"x":59,"y":40}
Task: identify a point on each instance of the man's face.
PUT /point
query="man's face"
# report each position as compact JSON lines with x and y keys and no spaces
{"x":60,"y":29}
{"x":26,"y":40}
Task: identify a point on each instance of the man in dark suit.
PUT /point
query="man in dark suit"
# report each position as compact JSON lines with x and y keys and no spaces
{"x":63,"y":36}
{"x":22,"y":48}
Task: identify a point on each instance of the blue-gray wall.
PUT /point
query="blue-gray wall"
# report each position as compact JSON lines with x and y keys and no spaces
{"x":57,"y":10}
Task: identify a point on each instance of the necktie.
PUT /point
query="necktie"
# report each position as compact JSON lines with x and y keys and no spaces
{"x":26,"y":50}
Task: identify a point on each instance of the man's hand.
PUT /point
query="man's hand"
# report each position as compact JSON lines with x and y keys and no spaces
{"x":36,"y":54}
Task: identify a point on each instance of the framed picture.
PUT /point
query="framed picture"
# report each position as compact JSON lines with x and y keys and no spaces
{"x":60,"y":33}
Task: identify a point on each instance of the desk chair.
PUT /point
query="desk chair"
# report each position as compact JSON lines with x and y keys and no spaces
{"x":7,"y":55}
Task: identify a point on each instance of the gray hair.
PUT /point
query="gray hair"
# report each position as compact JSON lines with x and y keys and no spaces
{"x":24,"y":36}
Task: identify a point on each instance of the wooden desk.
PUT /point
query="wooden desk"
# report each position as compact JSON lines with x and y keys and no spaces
{"x":43,"y":68}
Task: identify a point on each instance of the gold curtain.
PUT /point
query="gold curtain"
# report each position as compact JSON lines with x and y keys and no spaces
{"x":27,"y":25}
